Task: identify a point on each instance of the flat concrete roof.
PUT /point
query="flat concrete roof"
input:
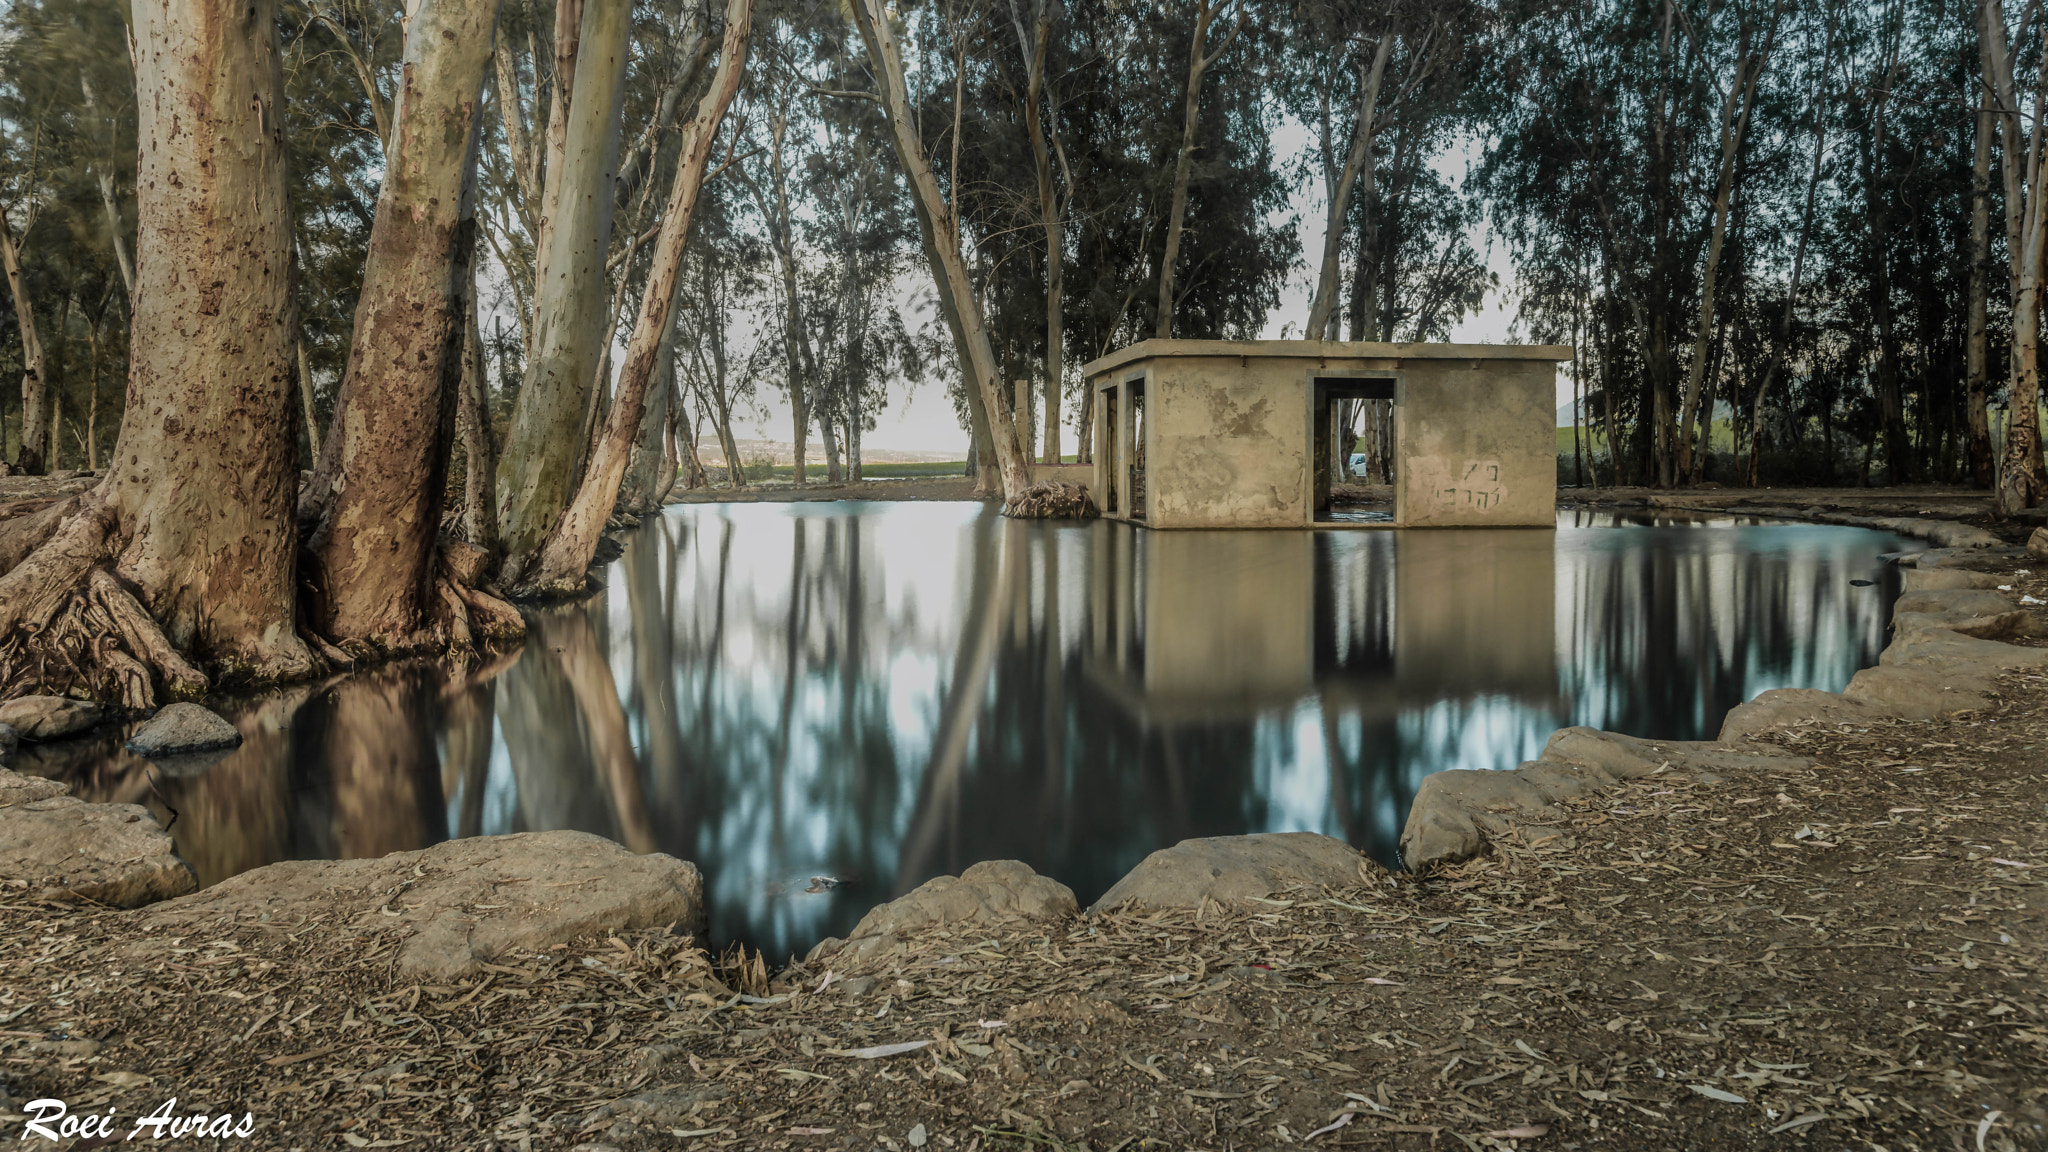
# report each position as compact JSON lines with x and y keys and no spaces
{"x":1320,"y":350}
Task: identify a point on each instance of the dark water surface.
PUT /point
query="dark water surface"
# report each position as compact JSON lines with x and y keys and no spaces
{"x":824,"y":705}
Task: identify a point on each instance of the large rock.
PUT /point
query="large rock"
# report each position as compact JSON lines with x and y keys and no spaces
{"x":991,"y":892}
{"x":18,"y":789}
{"x":1944,"y":649}
{"x":1932,"y":580}
{"x":9,"y":741}
{"x":1456,"y":813}
{"x":1957,"y":602}
{"x":182,"y":728}
{"x":464,"y":902}
{"x":2037,"y":544}
{"x":68,"y":849}
{"x":1239,"y":868}
{"x":1781,"y":707}
{"x":2016,"y":624}
{"x":1917,"y":693}
{"x":48,"y":717}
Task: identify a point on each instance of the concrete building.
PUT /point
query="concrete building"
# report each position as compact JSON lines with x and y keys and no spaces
{"x":1244,"y":434}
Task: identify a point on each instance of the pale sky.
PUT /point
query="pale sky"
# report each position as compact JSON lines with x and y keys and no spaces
{"x":921,"y":419}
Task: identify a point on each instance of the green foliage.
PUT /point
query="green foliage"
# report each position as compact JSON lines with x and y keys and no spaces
{"x":67,"y":178}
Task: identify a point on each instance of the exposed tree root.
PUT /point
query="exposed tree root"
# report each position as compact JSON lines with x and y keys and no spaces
{"x":96,"y":642}
{"x":70,"y":625}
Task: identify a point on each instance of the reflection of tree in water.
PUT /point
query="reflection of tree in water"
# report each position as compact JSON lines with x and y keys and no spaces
{"x":887,"y":695}
{"x":1661,"y":641}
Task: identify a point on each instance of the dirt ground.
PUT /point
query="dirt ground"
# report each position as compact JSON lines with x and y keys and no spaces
{"x":1849,"y":957}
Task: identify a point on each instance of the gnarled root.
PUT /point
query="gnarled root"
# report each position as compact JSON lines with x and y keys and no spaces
{"x":68,"y":625}
{"x":97,"y":642}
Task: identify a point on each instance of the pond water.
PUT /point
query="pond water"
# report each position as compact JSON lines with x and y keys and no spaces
{"x":824,"y":705}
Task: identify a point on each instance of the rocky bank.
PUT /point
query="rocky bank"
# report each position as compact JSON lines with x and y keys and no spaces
{"x":1624,"y":943}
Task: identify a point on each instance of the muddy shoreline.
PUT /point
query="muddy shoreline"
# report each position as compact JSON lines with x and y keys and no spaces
{"x":1843,"y":931}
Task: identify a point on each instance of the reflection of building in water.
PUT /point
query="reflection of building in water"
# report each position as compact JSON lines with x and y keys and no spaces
{"x":1199,"y":626}
{"x":1190,"y":625}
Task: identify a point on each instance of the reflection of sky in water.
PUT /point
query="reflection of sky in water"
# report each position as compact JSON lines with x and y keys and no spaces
{"x":881,"y":693}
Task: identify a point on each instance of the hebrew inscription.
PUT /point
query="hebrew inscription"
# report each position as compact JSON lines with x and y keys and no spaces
{"x":1477,"y":486}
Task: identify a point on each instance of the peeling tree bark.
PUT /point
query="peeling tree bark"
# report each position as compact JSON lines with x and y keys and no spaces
{"x":2021,"y":479}
{"x":192,"y":528}
{"x":538,"y":473}
{"x":565,"y":557}
{"x":378,"y":488}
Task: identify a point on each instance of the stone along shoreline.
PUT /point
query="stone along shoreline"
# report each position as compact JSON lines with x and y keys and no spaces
{"x":1824,"y":927}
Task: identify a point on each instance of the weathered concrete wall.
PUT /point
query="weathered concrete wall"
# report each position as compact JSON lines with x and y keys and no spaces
{"x":1230,"y":426}
{"x":1227,"y":445}
{"x":1477,"y":444}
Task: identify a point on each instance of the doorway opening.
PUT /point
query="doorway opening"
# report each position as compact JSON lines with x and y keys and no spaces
{"x":1122,"y":436}
{"x":1352,"y":428}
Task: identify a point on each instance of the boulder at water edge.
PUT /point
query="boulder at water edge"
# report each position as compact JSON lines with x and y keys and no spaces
{"x":991,"y":892}
{"x":18,"y":789}
{"x":66,"y":849}
{"x":48,"y":717}
{"x":462,"y":903}
{"x":1229,"y":869}
{"x":182,"y":728}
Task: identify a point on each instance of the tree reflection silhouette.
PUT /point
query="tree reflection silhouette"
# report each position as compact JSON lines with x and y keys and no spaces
{"x":824,"y":705}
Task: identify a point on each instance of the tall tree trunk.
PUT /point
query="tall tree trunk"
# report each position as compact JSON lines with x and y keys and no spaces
{"x":35,"y":403}
{"x":782,"y":239}
{"x":1183,"y":164}
{"x":2021,"y":478}
{"x":378,"y":488}
{"x":939,"y":225}
{"x":1324,"y":307}
{"x":650,"y":470}
{"x":1734,"y":121}
{"x":195,"y":518}
{"x":1036,"y":45}
{"x":1977,"y":351}
{"x":537,"y":475}
{"x":473,"y":427}
{"x":566,"y":556}
{"x":1782,"y":339}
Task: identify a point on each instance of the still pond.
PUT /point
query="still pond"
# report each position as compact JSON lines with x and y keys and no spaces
{"x":824,"y":705}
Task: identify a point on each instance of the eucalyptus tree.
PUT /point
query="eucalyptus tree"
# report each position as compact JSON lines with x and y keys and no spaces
{"x":572,"y":543}
{"x":186,"y":547}
{"x":938,"y":212}
{"x":376,"y":491}
{"x":544,"y":446}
